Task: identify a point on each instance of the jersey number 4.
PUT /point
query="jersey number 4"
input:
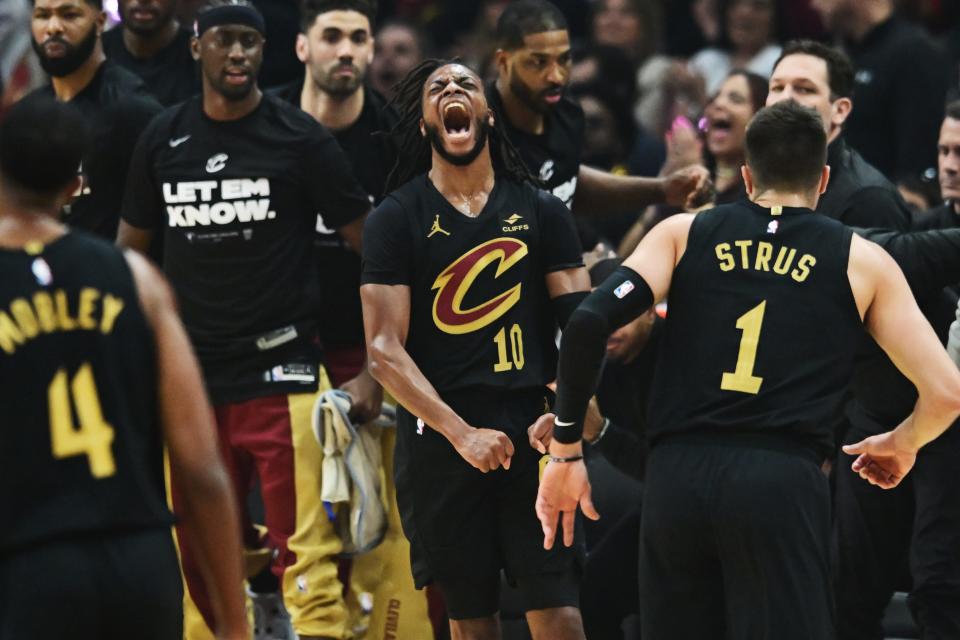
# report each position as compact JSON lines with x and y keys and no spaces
{"x":93,"y":436}
{"x":742,"y":378}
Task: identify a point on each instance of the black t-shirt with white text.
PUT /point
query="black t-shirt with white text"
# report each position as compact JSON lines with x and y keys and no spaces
{"x":480,"y":314}
{"x":117,"y":107}
{"x":238,"y":201}
{"x":371,"y":158}
{"x":554,"y":155}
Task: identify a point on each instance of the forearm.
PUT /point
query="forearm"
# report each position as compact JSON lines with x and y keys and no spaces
{"x":210,"y":520}
{"x":933,"y":414}
{"x":623,"y":449}
{"x":393,"y":367}
{"x":600,"y":192}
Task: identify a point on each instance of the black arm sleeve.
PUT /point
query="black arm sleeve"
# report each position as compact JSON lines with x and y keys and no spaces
{"x":618,"y":300}
{"x":930,"y":260}
{"x":387,"y":246}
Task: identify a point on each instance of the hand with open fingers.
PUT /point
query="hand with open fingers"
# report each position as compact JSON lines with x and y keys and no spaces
{"x":689,"y":187}
{"x":486,"y":449}
{"x":563,"y":487}
{"x":881,"y":460}
{"x":540,"y":433}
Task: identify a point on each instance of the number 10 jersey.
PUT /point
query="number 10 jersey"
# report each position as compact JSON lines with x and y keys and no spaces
{"x":480,"y":314}
{"x":762,"y":328}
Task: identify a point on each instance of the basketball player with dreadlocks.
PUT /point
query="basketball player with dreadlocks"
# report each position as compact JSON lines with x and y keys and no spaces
{"x":467,"y":268}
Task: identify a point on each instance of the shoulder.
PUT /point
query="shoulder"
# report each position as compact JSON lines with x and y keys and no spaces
{"x":289,"y":92}
{"x":291,"y":117}
{"x":170,"y":122}
{"x":407,"y":195}
{"x":547,"y":203}
{"x":385,"y":114}
{"x":112,"y":40}
{"x":390,"y":216}
{"x":122,"y":87}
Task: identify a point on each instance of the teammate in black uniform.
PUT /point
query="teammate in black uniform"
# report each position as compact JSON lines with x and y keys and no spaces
{"x":234,"y":180}
{"x":533,"y":64}
{"x":151,"y":43}
{"x":766,"y":302}
{"x":91,"y":353}
{"x":461,"y":267}
{"x":336,"y":46}
{"x":66,"y":37}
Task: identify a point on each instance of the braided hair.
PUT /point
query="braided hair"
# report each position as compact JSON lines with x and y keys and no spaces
{"x":413,"y":150}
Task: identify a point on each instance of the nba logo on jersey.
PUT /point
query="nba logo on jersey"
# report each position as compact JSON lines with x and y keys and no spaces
{"x":420,"y":426}
{"x":773,"y":226}
{"x":625,"y":288}
{"x":41,"y":271}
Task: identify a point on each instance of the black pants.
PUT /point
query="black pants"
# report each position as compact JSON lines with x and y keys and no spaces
{"x":115,"y":586}
{"x":883,"y":538}
{"x":734,"y":544}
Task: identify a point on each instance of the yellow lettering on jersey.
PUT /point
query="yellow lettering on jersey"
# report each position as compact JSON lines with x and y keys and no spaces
{"x":744,"y":254}
{"x":88,"y":298}
{"x":49,"y":312}
{"x":112,"y":306}
{"x":23,"y":314}
{"x":10,"y":336}
{"x":64,"y":320}
{"x":784,"y":260}
{"x":764,"y":253}
{"x":803,"y":267}
{"x":723,"y":255}
{"x":43,"y":304}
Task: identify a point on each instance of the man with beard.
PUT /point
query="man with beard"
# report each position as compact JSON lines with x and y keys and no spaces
{"x":336,"y":46}
{"x":234,"y":180}
{"x":66,"y":38}
{"x":151,"y":43}
{"x":533,"y":64}
{"x":467,"y":268}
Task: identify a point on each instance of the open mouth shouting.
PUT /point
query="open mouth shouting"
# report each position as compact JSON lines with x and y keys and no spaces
{"x":457,"y":123}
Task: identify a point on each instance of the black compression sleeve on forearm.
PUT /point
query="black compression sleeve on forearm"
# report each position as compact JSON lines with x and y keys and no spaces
{"x":564,"y":306}
{"x":621,"y":298}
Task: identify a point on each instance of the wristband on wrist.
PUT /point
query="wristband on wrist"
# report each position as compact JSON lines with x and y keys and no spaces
{"x":603,"y":431}
{"x":579,"y":456}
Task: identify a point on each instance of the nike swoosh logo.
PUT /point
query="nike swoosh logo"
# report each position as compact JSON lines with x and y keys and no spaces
{"x":176,"y":142}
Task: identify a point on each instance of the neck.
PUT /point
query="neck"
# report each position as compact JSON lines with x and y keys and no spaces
{"x":833,"y":134}
{"x":772,"y":198}
{"x":870,"y":15}
{"x":23,"y":221}
{"x":333,"y":112}
{"x":219,"y":108}
{"x":518,"y":114}
{"x":67,"y":87}
{"x":464,"y":187}
{"x":149,"y":45}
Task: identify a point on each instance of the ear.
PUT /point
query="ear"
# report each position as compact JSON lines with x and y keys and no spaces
{"x":195,"y":48}
{"x":747,"y":179}
{"x":423,"y":128}
{"x":824,"y":179}
{"x":491,"y":121}
{"x":840,"y":110}
{"x":370,"y":53}
{"x":69,"y":192}
{"x":302,"y":48}
{"x":501,"y":58}
{"x":101,"y":22}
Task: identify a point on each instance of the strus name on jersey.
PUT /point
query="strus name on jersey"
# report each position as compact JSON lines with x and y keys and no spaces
{"x":217,"y":202}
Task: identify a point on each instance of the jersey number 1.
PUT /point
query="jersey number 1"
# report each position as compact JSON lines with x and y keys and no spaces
{"x":93,"y":437}
{"x":742,"y":378}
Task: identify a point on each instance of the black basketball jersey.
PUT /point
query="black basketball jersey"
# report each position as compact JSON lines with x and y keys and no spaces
{"x":554,"y":155}
{"x":80,"y":444}
{"x":480,"y":314}
{"x":761,"y":329}
{"x":237,"y":202}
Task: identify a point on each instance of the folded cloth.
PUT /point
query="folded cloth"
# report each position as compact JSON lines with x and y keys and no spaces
{"x":352,"y":474}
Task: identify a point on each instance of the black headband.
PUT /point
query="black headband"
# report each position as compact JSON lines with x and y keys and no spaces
{"x":229,"y":14}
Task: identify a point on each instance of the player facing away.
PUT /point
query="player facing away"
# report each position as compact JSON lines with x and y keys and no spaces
{"x":97,"y":374}
{"x":467,"y":270}
{"x":766,"y":302}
